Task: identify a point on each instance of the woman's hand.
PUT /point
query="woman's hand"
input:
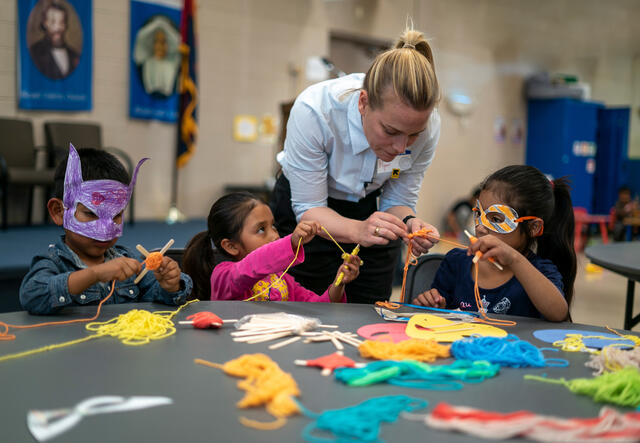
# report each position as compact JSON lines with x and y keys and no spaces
{"x":420,"y":245}
{"x":381,"y":228}
{"x":305,"y":230}
{"x":430,"y":298}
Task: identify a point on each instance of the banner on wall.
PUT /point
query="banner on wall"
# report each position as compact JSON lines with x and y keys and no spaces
{"x":55,"y":54}
{"x":154,"y":59}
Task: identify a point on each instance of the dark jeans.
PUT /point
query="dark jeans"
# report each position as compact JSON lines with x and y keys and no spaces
{"x":323,"y":258}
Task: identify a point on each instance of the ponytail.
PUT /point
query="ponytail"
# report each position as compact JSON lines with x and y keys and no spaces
{"x":556,"y":242}
{"x":198,"y":262}
{"x":407,"y":68}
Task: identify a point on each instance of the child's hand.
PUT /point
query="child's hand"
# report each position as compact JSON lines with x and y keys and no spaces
{"x":305,"y":230}
{"x":350,"y":268}
{"x":120,"y":268}
{"x":431,"y":298}
{"x":492,"y":246}
{"x":168,"y":275}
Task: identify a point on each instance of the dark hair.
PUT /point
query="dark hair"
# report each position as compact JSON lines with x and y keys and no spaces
{"x":624,"y":188}
{"x":225,"y":220}
{"x":96,"y":164}
{"x":531,"y":193}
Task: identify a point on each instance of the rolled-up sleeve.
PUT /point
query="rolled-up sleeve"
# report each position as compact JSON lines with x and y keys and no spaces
{"x":307,"y":161}
{"x":404,"y":190}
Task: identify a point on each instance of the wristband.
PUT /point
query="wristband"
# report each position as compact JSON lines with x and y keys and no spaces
{"x":407,"y":218}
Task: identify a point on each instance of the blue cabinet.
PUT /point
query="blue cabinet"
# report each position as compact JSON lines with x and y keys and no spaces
{"x":581,"y":140}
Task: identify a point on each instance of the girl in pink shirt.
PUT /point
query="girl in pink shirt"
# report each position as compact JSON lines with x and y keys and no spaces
{"x":249,"y":256}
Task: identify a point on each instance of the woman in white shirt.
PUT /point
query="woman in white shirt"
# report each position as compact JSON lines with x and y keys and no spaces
{"x":349,"y":141}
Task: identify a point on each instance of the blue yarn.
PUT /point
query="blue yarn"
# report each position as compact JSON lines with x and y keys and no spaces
{"x":413,"y":374}
{"x":505,"y":351}
{"x":360,"y":422}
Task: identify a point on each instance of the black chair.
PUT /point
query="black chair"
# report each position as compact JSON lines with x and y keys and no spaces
{"x":18,"y":165}
{"x":420,"y":276}
{"x":82,"y":135}
{"x":174,"y":253}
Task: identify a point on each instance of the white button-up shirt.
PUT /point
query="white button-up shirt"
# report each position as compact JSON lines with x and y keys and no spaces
{"x":326,"y":153}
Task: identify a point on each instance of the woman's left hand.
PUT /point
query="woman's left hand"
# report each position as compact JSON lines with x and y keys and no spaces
{"x":420,"y":245}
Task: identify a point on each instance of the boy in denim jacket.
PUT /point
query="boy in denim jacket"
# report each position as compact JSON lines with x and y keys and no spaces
{"x":92,"y":190}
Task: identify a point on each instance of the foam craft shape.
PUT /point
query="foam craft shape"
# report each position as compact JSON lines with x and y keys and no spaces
{"x":388,"y":332}
{"x":418,"y":327}
{"x":553,"y":335}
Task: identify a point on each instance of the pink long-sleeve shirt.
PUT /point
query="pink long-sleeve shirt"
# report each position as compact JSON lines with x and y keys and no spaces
{"x":260,"y":268}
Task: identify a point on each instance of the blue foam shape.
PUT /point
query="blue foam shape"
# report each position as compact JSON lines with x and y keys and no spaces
{"x":552,"y":335}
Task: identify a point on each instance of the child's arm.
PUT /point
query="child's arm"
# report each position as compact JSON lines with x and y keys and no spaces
{"x":442,"y":286}
{"x":47,"y":288}
{"x":544,"y":295}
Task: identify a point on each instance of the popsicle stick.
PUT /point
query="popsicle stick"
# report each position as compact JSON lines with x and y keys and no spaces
{"x":285,"y":342}
{"x":142,"y":274}
{"x":166,"y":247}
{"x":142,"y":250}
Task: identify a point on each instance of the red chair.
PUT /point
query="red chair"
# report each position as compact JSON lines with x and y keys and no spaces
{"x":582,"y":218}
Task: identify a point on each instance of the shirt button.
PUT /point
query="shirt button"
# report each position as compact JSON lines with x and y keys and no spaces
{"x":131,"y":291}
{"x":61,"y":299}
{"x":82,"y":296}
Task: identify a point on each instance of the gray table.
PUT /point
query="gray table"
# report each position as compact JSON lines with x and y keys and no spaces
{"x":204,"y":399}
{"x":624,"y":259}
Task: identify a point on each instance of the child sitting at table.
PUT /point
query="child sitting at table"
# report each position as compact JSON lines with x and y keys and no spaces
{"x":241,"y":256}
{"x":525,"y":223}
{"x":91,"y":191}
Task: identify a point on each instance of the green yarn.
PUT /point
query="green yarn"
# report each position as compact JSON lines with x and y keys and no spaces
{"x":620,"y":387}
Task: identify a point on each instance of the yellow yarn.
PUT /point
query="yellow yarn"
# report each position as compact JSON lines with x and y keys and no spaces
{"x":265,"y":384}
{"x":574,"y":342}
{"x":420,"y":350}
{"x":136,"y":327}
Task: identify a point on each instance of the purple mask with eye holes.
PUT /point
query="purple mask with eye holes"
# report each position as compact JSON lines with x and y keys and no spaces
{"x":106,"y":198}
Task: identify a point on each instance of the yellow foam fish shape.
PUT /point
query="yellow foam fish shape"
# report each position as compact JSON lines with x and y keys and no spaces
{"x":432,"y":327}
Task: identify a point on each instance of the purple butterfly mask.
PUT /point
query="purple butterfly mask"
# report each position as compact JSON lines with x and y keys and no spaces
{"x":105,"y":198}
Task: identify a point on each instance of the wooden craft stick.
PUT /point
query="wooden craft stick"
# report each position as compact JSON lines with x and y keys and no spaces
{"x":328,"y":326}
{"x":139,"y":277}
{"x":336,"y":343}
{"x":142,"y":250}
{"x":479,"y":253}
{"x":166,"y":247}
{"x":285,"y":342}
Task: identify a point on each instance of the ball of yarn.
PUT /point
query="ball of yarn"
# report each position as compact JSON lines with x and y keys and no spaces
{"x":205,"y":320}
{"x":505,"y":351}
{"x":153,"y":261}
{"x":360,"y":422}
{"x":420,"y":350}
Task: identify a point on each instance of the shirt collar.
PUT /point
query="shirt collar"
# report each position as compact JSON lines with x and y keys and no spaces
{"x":66,"y":252}
{"x":359,"y":142}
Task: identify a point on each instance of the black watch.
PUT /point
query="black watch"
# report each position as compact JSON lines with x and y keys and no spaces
{"x":407,"y":218}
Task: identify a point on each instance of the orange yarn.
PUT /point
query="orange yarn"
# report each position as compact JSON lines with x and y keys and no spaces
{"x":266,"y":384}
{"x":414,"y":349}
{"x":5,"y":336}
{"x":411,"y":260}
{"x":153,"y":261}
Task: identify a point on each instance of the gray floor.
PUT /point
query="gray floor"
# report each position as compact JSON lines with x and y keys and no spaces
{"x":599,"y":294}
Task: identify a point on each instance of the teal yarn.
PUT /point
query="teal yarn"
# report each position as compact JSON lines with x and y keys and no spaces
{"x":414,"y":374}
{"x":360,"y":422}
{"x":505,"y":351}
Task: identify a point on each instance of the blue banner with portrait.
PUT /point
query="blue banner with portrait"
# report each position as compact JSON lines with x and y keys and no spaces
{"x":155,"y":59}
{"x":55,"y":39}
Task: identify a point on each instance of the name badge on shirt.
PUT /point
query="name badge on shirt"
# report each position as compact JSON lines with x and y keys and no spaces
{"x":399,"y":163}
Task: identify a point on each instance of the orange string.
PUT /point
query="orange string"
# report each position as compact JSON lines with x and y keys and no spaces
{"x":153,"y":261}
{"x":411,"y":260}
{"x":5,"y":336}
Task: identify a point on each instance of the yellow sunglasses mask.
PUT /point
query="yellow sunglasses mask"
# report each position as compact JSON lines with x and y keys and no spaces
{"x":502,"y":219}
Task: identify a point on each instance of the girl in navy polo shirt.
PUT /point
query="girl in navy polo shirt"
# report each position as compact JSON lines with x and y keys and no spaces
{"x":525,"y":222}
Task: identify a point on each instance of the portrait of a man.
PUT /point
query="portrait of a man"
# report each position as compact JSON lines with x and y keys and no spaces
{"x":156,"y":53}
{"x":53,"y":54}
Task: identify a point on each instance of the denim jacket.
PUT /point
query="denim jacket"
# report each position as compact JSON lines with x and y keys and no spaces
{"x":44,"y":290}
